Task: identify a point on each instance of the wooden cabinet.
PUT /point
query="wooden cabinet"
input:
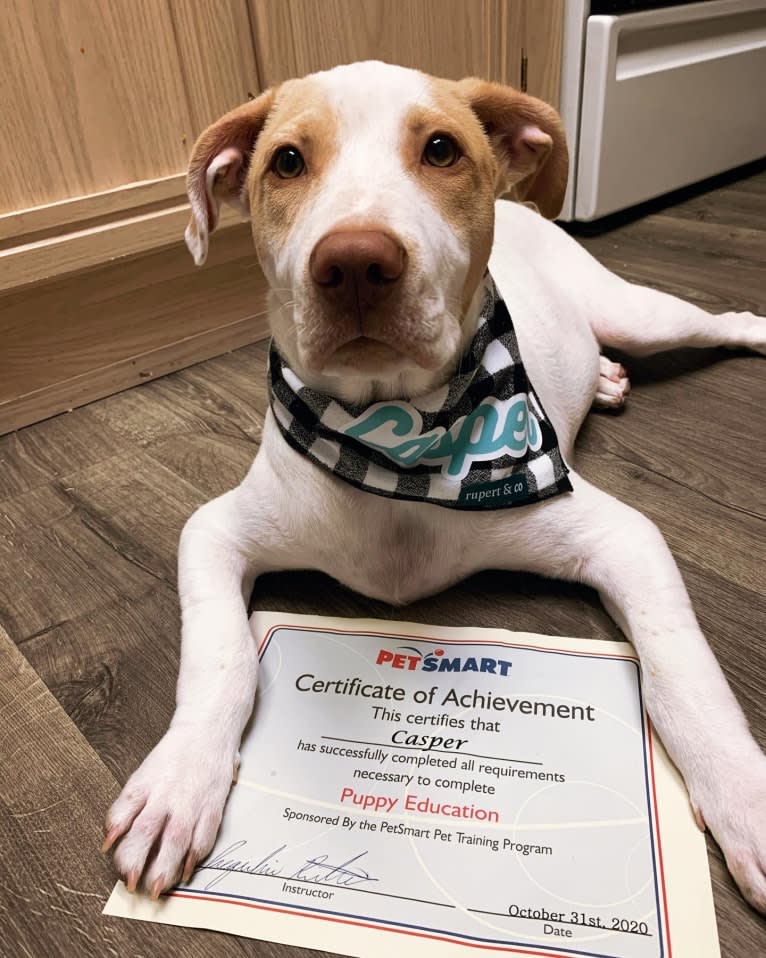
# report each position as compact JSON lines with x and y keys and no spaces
{"x":100,"y":103}
{"x":543,"y":35}
{"x":451,"y":38}
{"x":95,"y":95}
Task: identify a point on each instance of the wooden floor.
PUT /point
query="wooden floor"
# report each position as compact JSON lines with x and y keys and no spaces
{"x":92,"y":502}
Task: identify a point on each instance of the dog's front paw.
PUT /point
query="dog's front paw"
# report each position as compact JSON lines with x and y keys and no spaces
{"x":167,"y":815}
{"x":735,"y":813}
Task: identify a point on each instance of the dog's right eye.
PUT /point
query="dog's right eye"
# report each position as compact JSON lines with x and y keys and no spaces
{"x":288,"y":163}
{"x":441,"y":150}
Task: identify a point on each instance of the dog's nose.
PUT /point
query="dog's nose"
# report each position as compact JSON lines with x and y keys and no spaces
{"x":363,"y":265}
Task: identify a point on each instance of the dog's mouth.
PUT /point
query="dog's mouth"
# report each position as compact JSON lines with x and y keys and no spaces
{"x":380,"y":345}
{"x":367,"y":355}
{"x":414,"y":334}
{"x":377,"y":357}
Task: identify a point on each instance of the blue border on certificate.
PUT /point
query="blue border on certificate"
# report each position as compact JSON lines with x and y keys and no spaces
{"x":459,"y":937}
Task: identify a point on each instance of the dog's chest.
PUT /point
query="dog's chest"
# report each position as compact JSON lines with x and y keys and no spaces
{"x":401,"y":557}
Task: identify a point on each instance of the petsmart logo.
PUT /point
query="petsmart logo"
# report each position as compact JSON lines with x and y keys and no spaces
{"x":497,"y":427}
{"x":437,"y":661}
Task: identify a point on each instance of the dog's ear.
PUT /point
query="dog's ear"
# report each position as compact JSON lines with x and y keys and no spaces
{"x":528,"y":140}
{"x":218,"y":167}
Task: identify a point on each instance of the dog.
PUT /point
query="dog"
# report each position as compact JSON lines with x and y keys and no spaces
{"x":372,"y":191}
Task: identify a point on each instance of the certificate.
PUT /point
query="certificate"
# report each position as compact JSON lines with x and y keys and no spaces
{"x":448,"y":791}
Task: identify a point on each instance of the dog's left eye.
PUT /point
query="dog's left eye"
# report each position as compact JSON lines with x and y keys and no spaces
{"x":441,"y":150}
{"x":288,"y":163}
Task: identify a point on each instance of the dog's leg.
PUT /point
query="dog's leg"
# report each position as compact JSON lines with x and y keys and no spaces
{"x":641,"y":321}
{"x":593,"y":538}
{"x":167,"y":816}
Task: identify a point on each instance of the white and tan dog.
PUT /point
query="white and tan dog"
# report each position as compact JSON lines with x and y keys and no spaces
{"x":372,"y":190}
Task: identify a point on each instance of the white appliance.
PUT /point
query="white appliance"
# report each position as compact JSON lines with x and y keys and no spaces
{"x":657,"y":99}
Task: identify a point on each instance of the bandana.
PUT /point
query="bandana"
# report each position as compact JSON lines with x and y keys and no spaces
{"x":481,"y":441}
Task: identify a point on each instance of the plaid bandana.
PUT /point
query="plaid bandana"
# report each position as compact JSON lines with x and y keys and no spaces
{"x":481,"y":441}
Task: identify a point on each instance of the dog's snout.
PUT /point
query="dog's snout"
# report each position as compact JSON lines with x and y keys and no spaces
{"x":361,"y":264}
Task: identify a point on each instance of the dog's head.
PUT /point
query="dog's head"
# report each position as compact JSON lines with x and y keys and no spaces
{"x":371,"y":193}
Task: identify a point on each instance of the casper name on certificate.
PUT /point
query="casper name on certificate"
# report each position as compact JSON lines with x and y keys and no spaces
{"x":493,"y":794}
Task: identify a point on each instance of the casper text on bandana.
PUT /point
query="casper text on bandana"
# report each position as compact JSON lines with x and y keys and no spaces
{"x":481,"y":441}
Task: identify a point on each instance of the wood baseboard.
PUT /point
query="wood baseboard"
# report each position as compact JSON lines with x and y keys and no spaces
{"x":48,"y":241}
{"x":90,"y":334}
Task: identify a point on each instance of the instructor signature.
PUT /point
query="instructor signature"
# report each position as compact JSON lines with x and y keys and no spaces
{"x":318,"y":868}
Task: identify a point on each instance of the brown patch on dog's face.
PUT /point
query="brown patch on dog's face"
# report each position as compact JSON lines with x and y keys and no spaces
{"x":301,"y":118}
{"x":464,"y":190}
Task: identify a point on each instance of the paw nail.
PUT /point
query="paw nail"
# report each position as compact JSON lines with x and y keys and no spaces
{"x":132,"y":881}
{"x":111,"y":838}
{"x":156,"y":889}
{"x":189,"y":866}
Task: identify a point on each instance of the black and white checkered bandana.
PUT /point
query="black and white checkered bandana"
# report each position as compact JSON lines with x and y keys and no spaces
{"x":481,"y":441}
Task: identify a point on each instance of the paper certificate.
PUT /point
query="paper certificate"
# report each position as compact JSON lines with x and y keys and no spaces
{"x":448,"y":791}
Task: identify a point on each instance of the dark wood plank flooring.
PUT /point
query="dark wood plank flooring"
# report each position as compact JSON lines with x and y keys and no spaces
{"x":92,"y":502}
